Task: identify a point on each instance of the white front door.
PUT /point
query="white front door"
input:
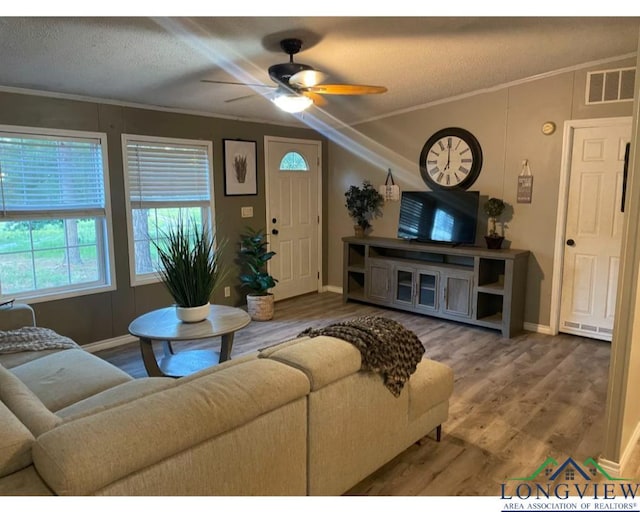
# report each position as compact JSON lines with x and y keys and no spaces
{"x":293,"y":215}
{"x":593,"y":230}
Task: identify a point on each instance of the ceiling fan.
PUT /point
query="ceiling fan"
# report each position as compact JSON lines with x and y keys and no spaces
{"x":299,"y":85}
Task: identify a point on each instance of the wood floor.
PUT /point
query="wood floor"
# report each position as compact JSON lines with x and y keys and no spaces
{"x":516,"y":401}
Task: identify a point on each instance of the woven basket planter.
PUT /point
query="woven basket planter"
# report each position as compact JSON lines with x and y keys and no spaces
{"x":260,"y":307}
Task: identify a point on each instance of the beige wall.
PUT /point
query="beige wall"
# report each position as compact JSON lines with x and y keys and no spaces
{"x":106,"y":315}
{"x":507,"y":124}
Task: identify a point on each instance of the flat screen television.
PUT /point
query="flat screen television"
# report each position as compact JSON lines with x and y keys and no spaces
{"x":445,"y":216}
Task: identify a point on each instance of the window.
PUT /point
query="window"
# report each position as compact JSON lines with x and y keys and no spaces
{"x":165,"y":179}
{"x":293,"y":161}
{"x":55,"y":231}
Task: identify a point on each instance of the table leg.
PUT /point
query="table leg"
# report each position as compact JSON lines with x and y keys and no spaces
{"x":149,"y":358}
{"x":226,"y":347}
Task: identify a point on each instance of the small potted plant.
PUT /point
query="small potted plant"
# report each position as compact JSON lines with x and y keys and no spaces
{"x":494,"y":208}
{"x":364,"y":203}
{"x":190,"y":268}
{"x":253,"y":257}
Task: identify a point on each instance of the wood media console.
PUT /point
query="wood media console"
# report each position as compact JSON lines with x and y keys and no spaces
{"x":468,"y":284}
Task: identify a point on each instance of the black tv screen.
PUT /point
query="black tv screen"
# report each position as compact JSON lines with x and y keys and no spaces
{"x":449,"y":216}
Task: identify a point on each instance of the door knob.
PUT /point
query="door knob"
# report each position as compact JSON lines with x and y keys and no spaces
{"x":274,"y":220}
{"x":274,"y":231}
{"x":571,"y":242}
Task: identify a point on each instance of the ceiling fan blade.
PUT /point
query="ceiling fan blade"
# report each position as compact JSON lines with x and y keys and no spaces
{"x":347,"y":89}
{"x":223,"y":82}
{"x":307,"y":78}
{"x":318,"y":100}
{"x":239,"y":98}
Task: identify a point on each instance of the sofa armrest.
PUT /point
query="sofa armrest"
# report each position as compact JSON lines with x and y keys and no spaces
{"x":15,"y":316}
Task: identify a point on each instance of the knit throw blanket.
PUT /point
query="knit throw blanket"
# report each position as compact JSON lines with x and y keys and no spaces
{"x":386,"y":347}
{"x":33,"y":338}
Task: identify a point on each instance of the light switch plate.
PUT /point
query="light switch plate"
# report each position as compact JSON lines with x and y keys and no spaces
{"x":246,"y":211}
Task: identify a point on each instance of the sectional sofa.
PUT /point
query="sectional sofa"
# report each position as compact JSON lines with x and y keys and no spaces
{"x":298,"y":418}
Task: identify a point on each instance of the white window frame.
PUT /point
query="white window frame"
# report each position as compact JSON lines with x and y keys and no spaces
{"x":134,"y":279}
{"x":104,"y":240}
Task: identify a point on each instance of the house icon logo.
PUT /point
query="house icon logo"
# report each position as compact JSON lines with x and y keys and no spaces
{"x":552,"y":480}
{"x":568,"y":471}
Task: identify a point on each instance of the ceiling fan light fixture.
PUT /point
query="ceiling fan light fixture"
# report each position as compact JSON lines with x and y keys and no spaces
{"x":292,"y":103}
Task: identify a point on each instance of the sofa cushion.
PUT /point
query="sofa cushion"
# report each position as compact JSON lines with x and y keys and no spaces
{"x":122,"y":440}
{"x":323,"y":359}
{"x":116,"y":395}
{"x":68,"y":376}
{"x":15,"y":443}
{"x":431,"y":384}
{"x":25,"y":405}
{"x":17,"y":358}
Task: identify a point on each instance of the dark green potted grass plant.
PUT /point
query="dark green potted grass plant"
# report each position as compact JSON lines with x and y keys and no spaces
{"x":189,"y":265}
{"x":253,"y":256}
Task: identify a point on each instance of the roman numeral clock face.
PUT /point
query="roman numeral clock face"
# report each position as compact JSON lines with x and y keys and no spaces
{"x":451,"y":159}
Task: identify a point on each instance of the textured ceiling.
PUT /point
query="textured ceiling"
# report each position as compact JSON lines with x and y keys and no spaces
{"x":161,"y":61}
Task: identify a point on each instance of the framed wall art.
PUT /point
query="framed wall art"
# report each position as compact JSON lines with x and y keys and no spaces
{"x":240,"y":169}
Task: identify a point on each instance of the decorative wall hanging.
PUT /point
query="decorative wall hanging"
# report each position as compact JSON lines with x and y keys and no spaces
{"x":390,"y":191}
{"x":240,"y":171}
{"x":525,"y":183}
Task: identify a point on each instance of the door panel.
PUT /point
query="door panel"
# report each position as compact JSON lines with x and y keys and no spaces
{"x":594,"y":223}
{"x":293,"y":168}
{"x":457,"y":295}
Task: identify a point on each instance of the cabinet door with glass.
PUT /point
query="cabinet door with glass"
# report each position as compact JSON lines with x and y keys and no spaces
{"x":415,"y":288}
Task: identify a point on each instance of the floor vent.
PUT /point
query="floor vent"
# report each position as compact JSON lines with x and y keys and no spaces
{"x":605,"y":330}
{"x":575,"y":325}
{"x":610,"y":85}
{"x":591,"y":328}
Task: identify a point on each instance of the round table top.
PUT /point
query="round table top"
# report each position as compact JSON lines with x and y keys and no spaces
{"x":163,"y":324}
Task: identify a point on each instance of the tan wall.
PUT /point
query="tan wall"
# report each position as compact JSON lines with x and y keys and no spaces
{"x":106,"y":315}
{"x":507,"y":124}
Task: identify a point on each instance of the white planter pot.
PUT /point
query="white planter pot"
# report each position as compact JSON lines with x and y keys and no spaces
{"x":260,"y":307}
{"x":195,"y":314}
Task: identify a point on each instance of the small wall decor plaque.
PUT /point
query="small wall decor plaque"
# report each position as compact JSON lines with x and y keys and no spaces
{"x":525,"y":184}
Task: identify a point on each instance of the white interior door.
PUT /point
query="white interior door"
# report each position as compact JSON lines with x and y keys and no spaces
{"x":293,"y":215}
{"x":593,"y":230}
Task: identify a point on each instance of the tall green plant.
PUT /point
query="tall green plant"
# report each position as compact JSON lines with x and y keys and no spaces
{"x":253,"y":257}
{"x":190,"y":263}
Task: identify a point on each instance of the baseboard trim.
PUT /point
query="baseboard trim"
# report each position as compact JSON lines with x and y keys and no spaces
{"x":542,"y":329}
{"x":332,"y":289}
{"x":612,"y":468}
{"x":617,"y":469}
{"x":118,"y":341}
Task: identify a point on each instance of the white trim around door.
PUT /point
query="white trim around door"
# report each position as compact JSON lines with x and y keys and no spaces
{"x":563,"y":199}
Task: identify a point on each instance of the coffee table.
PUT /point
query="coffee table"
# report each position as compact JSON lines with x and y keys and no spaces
{"x":163,"y":325}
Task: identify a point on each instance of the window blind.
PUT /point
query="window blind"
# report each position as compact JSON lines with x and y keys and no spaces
{"x":40,"y":174}
{"x":162,"y":175}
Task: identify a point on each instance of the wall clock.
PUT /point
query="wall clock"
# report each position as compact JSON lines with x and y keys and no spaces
{"x":451,"y":159}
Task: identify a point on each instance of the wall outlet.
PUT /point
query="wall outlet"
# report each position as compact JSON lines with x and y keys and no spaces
{"x":246,"y":211}
{"x":227,"y":291}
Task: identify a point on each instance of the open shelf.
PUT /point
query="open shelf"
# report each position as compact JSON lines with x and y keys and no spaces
{"x":355,"y":256}
{"x":493,"y":288}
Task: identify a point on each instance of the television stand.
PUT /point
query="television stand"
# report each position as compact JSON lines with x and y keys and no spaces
{"x":478,"y":286}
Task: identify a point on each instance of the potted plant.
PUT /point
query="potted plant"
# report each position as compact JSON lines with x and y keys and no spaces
{"x":364,"y":203}
{"x":189,"y":265}
{"x":494,"y":208}
{"x":253,"y":257}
